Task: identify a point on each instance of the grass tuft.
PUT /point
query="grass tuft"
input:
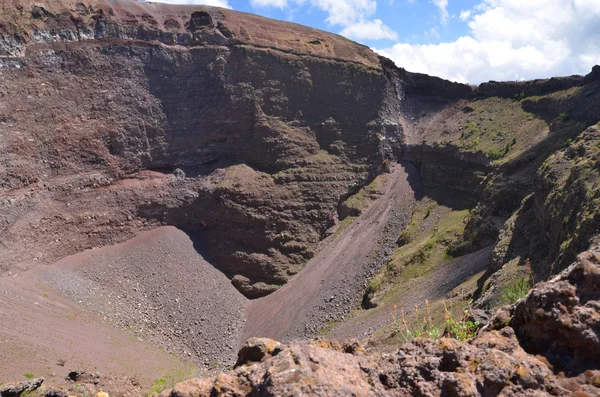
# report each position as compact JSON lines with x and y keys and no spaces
{"x":516,"y":291}
{"x":425,"y":327}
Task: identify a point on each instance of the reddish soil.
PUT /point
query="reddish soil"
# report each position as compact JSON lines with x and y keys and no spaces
{"x":156,"y":287}
{"x":159,"y":287}
{"x":39,"y":327}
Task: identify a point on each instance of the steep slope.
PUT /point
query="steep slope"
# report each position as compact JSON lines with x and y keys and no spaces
{"x":332,"y":282}
{"x":511,"y":170}
{"x":288,"y":149}
{"x":266,"y":130}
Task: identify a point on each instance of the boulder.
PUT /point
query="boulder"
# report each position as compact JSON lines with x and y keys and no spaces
{"x":257,"y":350}
{"x":560,"y":319}
{"x":17,"y":389}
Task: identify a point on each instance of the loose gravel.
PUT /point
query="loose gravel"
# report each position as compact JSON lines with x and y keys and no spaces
{"x":159,"y":286}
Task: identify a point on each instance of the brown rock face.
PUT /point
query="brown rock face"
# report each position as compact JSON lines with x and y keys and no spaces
{"x":560,"y":319}
{"x":119,"y":116}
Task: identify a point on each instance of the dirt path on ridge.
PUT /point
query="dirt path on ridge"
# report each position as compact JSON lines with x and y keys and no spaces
{"x":332,"y":283}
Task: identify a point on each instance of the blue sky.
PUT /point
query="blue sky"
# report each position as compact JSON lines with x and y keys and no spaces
{"x":416,"y":22}
{"x":469,"y":41}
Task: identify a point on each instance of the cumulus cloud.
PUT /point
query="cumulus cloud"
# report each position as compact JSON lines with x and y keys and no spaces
{"x":268,"y":3}
{"x":353,"y":16}
{"x":442,"y":5}
{"x":464,"y":15}
{"x":372,"y":30}
{"x":216,"y":3}
{"x":512,"y":40}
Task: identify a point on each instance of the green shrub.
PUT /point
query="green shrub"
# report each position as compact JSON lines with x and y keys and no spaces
{"x":29,"y":376}
{"x":423,"y":329}
{"x":158,"y":386}
{"x":520,"y":96}
{"x":516,"y":291}
{"x":460,"y":329}
{"x":373,"y":287}
{"x":404,"y":237}
{"x":495,"y":154}
{"x":564,"y":116}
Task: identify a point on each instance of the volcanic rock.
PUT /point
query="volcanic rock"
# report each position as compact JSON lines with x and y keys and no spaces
{"x":17,"y":389}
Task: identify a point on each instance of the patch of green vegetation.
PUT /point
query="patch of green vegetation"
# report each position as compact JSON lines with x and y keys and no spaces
{"x":373,"y":287}
{"x":565,"y":244}
{"x":516,"y":291}
{"x":423,"y":244}
{"x":424,"y":325}
{"x":29,"y":376}
{"x":323,"y":157}
{"x":496,"y":154}
{"x":486,"y":129}
{"x":343,"y":224}
{"x":158,"y":386}
{"x":366,"y":195}
{"x":430,"y":250}
{"x":170,"y":379}
{"x":564,"y":117}
{"x":519,"y":97}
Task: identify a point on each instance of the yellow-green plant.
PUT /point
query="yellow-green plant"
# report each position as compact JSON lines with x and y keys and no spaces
{"x":423,"y":327}
{"x":516,"y":291}
{"x":462,"y":329}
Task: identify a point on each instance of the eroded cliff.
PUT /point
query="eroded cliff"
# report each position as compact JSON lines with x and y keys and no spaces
{"x":119,"y":116}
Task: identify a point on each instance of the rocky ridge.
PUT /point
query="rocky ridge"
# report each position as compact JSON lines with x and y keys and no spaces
{"x":120,"y":116}
{"x":546,"y":344}
{"x":204,"y":114}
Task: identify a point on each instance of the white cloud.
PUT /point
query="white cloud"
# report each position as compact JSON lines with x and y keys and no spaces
{"x":216,"y":3}
{"x":269,"y":3}
{"x":346,"y":12}
{"x":442,"y":5}
{"x":372,"y":30}
{"x":433,"y":32}
{"x":464,"y":15}
{"x":513,"y":40}
{"x":353,"y":16}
